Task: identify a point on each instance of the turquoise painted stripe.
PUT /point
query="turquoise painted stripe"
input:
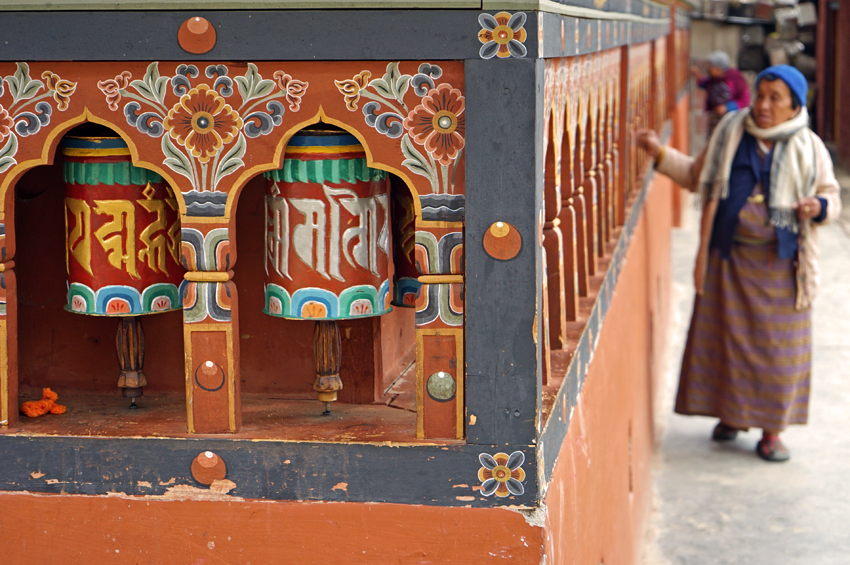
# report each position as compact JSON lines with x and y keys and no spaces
{"x":121,"y":173}
{"x":330,"y":171}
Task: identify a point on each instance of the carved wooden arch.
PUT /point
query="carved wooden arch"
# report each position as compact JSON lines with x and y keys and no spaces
{"x":321,"y":117}
{"x":48,"y":154}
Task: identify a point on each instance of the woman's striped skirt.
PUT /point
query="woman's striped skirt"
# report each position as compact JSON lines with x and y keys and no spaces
{"x":749,"y":351}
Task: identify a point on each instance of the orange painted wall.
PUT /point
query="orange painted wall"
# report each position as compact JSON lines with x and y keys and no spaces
{"x":598,"y":497}
{"x":86,"y":530}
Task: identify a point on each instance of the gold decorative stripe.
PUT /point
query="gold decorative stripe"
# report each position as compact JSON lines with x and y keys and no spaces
{"x":7,"y":266}
{"x":325,"y":150}
{"x":440,"y":279}
{"x":206,"y":276}
{"x":114,"y":152}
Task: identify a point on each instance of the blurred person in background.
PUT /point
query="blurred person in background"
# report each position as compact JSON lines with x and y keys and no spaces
{"x":765,"y":183}
{"x":725,"y":87}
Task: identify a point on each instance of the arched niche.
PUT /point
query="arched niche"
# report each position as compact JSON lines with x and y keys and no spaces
{"x":276,"y":354}
{"x":74,"y":354}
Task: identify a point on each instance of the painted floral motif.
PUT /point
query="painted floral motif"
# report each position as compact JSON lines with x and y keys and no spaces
{"x":112,"y":88}
{"x":294,"y":89}
{"x":502,"y":474}
{"x":62,"y":89}
{"x":503,"y":35}
{"x":437,"y":123}
{"x":30,"y":109}
{"x":6,"y":124}
{"x":204,"y":134}
{"x":202,"y":122}
{"x":351,"y":88}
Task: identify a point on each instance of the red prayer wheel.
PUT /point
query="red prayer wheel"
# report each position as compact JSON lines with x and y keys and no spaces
{"x":122,"y":249}
{"x":327,"y":242}
{"x":327,"y":231}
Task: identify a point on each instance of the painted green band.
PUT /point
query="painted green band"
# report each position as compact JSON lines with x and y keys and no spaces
{"x":327,"y":171}
{"x":120,"y":172}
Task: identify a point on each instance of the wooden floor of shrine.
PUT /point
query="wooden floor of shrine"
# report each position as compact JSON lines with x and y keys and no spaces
{"x":264,"y":416}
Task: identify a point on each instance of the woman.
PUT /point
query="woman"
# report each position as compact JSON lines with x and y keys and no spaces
{"x":725,"y":87}
{"x":765,"y":183}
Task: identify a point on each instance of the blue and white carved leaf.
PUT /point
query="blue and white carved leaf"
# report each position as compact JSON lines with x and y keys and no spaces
{"x":7,"y":154}
{"x":232,"y":160}
{"x":152,"y":86}
{"x":21,"y":86}
{"x":416,"y":162}
{"x":176,"y":160}
{"x":252,"y":85}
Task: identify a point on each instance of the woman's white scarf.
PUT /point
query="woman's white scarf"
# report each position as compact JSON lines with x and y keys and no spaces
{"x":792,"y":172}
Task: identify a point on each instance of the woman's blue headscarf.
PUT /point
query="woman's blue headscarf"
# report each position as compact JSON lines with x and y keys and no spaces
{"x":789,"y":75}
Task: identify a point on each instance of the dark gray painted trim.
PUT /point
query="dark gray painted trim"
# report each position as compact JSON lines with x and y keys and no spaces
{"x":557,"y":426}
{"x":504,"y":182}
{"x":330,"y":35}
{"x":249,"y":35}
{"x":261,"y":470}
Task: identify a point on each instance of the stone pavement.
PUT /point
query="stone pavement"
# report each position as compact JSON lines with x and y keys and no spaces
{"x":720,"y":504}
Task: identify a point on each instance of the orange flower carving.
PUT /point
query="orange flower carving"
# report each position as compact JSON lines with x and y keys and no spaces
{"x":502,"y":474}
{"x":351,"y":88}
{"x":6,"y":124}
{"x":62,"y":89}
{"x":112,"y":88}
{"x":293,"y":88}
{"x":438,"y":123}
{"x":202,"y":122}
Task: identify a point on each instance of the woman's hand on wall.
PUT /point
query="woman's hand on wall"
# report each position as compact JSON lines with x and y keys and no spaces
{"x":807,"y":208}
{"x":649,"y":141}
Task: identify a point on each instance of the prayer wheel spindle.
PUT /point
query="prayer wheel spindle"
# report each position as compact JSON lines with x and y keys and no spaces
{"x":326,"y":354}
{"x":327,"y":243}
{"x":122,"y":236}
{"x":130,"y":345}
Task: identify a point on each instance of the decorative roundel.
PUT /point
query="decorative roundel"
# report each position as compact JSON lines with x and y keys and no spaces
{"x":441,"y":386}
{"x":208,"y":467}
{"x":196,"y":35}
{"x":502,"y":241}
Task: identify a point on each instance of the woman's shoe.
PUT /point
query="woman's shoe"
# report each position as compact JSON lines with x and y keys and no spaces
{"x":772,"y":449}
{"x":722,"y":432}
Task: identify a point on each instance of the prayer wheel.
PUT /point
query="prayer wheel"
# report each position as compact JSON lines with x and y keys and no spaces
{"x":122,"y":235}
{"x":327,"y":242}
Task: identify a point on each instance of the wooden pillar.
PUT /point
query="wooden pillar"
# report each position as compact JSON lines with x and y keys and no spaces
{"x":210,"y":328}
{"x":587,"y":122}
{"x":621,"y":126}
{"x":8,"y":324}
{"x":439,"y":358}
{"x":439,"y":331}
{"x":596,"y":152}
{"x":553,"y":239}
{"x":568,"y":216}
